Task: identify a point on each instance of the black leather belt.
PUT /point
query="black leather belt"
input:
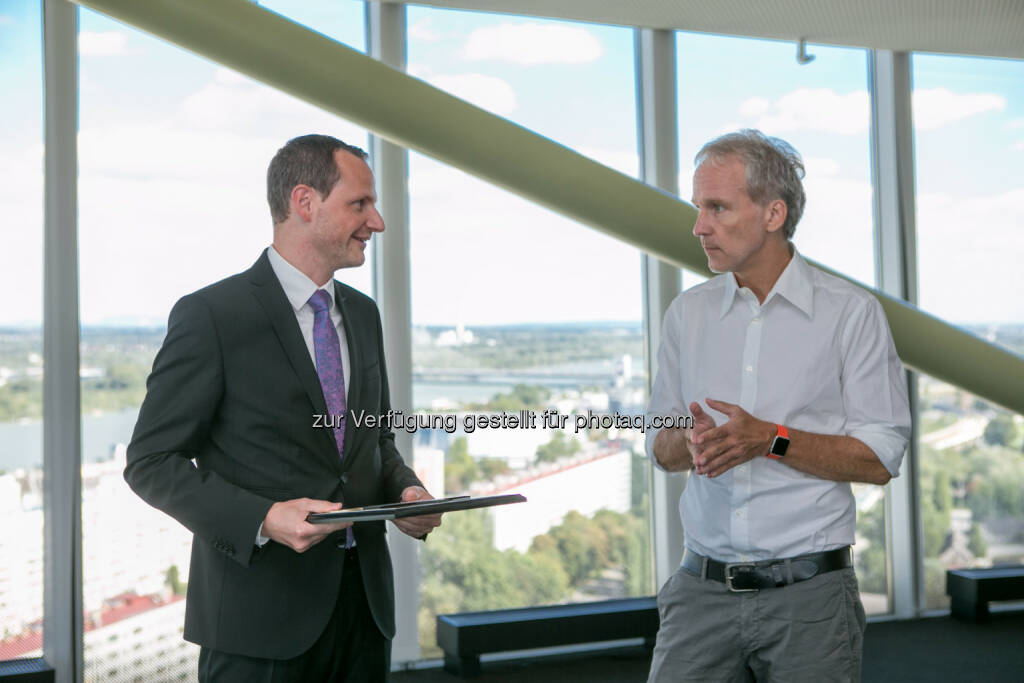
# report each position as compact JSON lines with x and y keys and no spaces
{"x":752,"y":576}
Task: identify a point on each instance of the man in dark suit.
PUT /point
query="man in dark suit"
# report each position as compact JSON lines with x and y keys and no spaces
{"x":226,"y":443}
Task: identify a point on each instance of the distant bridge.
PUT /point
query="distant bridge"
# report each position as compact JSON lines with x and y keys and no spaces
{"x":503,"y":377}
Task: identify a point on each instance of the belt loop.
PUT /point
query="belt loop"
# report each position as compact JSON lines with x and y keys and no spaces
{"x":789,"y":572}
{"x":703,"y":569}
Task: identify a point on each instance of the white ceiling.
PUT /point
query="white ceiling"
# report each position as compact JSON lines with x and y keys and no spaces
{"x":974,"y":27}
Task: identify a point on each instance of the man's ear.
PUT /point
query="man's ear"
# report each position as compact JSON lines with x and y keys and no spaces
{"x":302,"y":201}
{"x":777,"y":213}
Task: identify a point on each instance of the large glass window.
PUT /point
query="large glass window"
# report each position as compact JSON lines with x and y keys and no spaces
{"x":823,"y":109}
{"x":519,"y":311}
{"x":969,"y":146}
{"x":21,"y":315}
{"x":173,"y":158}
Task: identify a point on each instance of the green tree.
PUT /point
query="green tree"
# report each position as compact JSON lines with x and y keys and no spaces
{"x":976,"y":541}
{"x":491,"y":467}
{"x":522,"y":397}
{"x":558,"y":447}
{"x":582,"y":545}
{"x":870,"y":559}
{"x":464,"y":572}
{"x":1002,"y":431}
{"x":173,"y":581}
{"x":460,"y":469}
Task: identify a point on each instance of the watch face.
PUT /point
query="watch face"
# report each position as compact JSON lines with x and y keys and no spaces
{"x":779,"y":446}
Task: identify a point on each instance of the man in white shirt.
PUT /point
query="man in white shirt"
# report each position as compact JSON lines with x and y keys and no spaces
{"x":803,"y":393}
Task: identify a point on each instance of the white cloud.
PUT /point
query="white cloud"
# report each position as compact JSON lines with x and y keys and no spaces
{"x":755,"y":106}
{"x":1015,"y":123}
{"x":423,"y":32}
{"x":21,"y":262}
{"x":820,"y":109}
{"x":102,"y":43}
{"x":533,"y":43}
{"x":820,"y":166}
{"x":1019,"y":146}
{"x":836,"y":228}
{"x":970,"y":248}
{"x":823,"y":109}
{"x":185,"y":186}
{"x":235,"y":103}
{"x":455,"y":216}
{"x":231,"y":77}
{"x":487,"y":92}
{"x":938,"y":107}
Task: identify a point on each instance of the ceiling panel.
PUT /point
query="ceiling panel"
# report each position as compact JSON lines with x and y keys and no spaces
{"x":973,"y":27}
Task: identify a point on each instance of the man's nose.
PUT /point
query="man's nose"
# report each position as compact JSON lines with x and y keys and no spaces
{"x":700,"y":226}
{"x":376,"y":222}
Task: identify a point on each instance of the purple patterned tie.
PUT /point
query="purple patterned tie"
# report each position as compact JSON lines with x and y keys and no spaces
{"x":327,"y":350}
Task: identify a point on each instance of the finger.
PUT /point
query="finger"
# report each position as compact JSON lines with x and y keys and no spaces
{"x":415,"y":493}
{"x":722,"y":406}
{"x":414,"y":530}
{"x":711,"y":435}
{"x":714,"y":452}
{"x":311,"y":505}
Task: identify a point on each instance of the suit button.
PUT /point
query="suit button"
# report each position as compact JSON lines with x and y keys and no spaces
{"x":344,"y":478}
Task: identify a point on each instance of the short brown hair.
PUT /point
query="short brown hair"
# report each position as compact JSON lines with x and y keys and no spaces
{"x":305,"y":160}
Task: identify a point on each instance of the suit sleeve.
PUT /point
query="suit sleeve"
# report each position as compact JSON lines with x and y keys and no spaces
{"x":183,"y":394}
{"x":395,"y":475}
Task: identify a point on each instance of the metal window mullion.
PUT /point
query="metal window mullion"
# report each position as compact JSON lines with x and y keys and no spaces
{"x":386,"y":42}
{"x":892,"y":160}
{"x":62,"y":491}
{"x":657,"y":133}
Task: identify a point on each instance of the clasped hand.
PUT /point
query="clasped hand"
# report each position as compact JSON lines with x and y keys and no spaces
{"x":717,"y":449}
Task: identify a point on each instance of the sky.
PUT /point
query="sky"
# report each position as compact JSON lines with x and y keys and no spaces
{"x":173,"y":151}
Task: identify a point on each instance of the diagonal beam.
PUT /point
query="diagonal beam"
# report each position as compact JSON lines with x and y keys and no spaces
{"x":410,"y":113}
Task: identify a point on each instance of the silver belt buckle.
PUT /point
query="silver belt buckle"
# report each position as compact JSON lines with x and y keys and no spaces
{"x":729,"y":567}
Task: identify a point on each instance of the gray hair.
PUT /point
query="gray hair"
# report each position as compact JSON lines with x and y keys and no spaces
{"x":305,"y":160}
{"x":774,"y":169}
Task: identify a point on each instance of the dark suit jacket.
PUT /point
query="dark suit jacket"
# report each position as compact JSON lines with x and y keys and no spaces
{"x":226,"y":429}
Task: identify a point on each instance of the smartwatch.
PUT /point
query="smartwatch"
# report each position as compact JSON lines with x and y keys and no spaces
{"x":779,"y":444}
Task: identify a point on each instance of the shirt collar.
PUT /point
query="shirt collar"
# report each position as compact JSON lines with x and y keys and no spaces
{"x":795,"y":285}
{"x":296,"y":285}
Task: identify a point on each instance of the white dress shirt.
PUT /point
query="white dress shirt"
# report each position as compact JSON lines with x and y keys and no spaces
{"x":816,"y":356}
{"x":299,"y":288}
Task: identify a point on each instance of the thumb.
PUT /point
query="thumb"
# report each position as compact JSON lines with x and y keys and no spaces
{"x":701,"y":419}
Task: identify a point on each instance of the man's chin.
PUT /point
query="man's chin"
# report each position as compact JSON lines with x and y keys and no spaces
{"x":353,"y":259}
{"x":716,"y":266}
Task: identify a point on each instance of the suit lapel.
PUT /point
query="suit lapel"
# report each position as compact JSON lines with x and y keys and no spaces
{"x":267,"y":290}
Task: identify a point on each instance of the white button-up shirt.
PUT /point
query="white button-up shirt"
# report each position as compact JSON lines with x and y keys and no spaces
{"x":816,"y":356}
